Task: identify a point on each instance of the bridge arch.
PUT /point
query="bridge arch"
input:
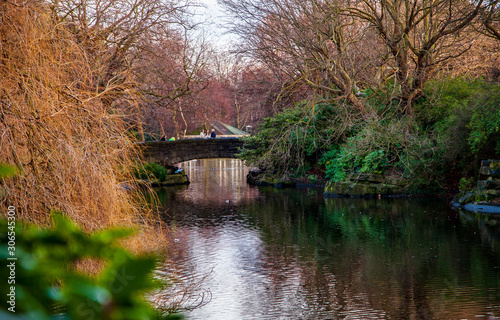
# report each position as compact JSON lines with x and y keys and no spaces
{"x":172,"y":152}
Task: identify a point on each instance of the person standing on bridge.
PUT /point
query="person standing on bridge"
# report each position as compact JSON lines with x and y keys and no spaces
{"x":213,"y":135}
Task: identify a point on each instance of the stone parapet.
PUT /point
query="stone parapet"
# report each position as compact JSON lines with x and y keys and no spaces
{"x":168,"y":153}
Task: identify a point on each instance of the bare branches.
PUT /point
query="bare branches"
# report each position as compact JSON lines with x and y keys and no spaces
{"x":336,"y":48}
{"x":419,"y":34}
{"x":311,"y":42}
{"x":113,"y":31}
{"x":491,"y":19}
{"x":172,"y":69}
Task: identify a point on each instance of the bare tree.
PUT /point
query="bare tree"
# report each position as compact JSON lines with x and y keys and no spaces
{"x":420,"y":35}
{"x":147,"y":47}
{"x":491,"y":19}
{"x":118,"y":26}
{"x":254,"y":95}
{"x":170,"y":71}
{"x":312,"y":42}
{"x":251,"y":90}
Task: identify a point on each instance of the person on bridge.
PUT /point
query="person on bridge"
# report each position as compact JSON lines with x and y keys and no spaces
{"x":202,"y":134}
{"x":213,"y":135}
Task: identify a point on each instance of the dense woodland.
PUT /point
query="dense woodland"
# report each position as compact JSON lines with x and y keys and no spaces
{"x":403,"y":87}
{"x":400,"y":87}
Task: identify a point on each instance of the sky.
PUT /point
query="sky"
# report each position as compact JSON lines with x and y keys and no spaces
{"x":214,"y":16}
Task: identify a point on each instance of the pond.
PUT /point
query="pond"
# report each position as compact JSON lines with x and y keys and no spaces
{"x":264,"y":253}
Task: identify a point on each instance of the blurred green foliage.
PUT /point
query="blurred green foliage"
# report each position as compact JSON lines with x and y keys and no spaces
{"x":485,"y":121}
{"x":47,"y":285}
{"x":40,"y":279}
{"x":7,"y":171}
{"x":466,"y":184}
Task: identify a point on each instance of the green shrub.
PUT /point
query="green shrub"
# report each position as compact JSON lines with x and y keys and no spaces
{"x":444,"y":97}
{"x":377,"y":147}
{"x":338,"y":163}
{"x":151,"y":171}
{"x":456,"y":123}
{"x":466,"y":184}
{"x":458,"y":119}
{"x":485,"y":120}
{"x":383,"y":99}
{"x":47,"y":286}
{"x":375,"y":161}
{"x":285,"y":142}
{"x":462,"y":115}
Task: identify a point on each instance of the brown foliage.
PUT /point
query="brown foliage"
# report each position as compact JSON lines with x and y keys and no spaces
{"x":71,"y":148}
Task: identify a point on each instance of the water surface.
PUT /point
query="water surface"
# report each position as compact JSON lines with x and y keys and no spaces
{"x":265,"y":253}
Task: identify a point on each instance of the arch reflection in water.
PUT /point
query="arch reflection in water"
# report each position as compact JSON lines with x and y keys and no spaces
{"x":217,"y":181}
{"x":291,"y":254}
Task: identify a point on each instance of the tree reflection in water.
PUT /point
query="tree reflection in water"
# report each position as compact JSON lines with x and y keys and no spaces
{"x":292,"y":254}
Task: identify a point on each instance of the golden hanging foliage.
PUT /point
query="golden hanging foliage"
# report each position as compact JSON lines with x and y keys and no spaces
{"x":71,"y":148}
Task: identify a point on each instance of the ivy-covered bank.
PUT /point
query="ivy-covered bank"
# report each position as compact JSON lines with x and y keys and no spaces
{"x":450,"y":129}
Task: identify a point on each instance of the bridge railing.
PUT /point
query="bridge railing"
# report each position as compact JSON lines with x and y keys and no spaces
{"x":172,"y":152}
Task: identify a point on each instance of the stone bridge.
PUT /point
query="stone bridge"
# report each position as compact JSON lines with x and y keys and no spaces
{"x":172,"y":152}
